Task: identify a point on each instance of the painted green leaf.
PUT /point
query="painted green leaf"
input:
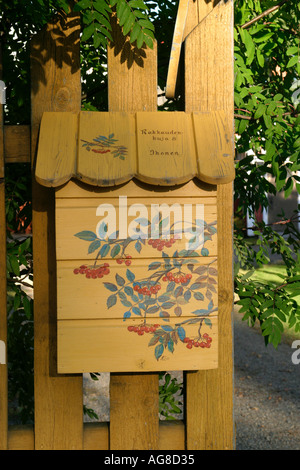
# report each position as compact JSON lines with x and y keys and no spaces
{"x":158,"y":351}
{"x":86,"y":235}
{"x":120,"y":280}
{"x":94,"y":246}
{"x":110,"y":286}
{"x":111,"y":301}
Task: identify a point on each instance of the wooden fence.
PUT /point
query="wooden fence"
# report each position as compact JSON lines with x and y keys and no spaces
{"x":132,"y":86}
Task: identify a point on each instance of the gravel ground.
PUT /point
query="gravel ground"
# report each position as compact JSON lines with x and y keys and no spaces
{"x":267,"y":399}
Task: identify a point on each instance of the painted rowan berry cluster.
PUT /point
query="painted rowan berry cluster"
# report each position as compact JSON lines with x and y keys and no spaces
{"x":100,"y":151}
{"x":198,"y":344}
{"x":159,"y":244}
{"x":94,"y":272}
{"x":140,"y":330}
{"x":127,"y":260}
{"x":177,"y":278}
{"x":145,"y":290}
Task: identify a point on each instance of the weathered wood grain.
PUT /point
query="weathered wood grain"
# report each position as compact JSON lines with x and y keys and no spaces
{"x":55,"y":75}
{"x":57,"y":148}
{"x":17,"y":144}
{"x":176,"y":48}
{"x":209,"y":87}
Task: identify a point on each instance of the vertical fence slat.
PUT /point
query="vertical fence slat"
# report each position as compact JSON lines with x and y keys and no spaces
{"x":209,"y":86}
{"x":55,"y":86}
{"x":132,"y":86}
{"x":3,"y":300}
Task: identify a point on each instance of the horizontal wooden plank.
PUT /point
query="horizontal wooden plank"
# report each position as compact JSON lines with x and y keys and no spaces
{"x":160,"y":289}
{"x":96,"y":436}
{"x":20,"y":437}
{"x":16,"y":144}
{"x":172,"y":435}
{"x":110,"y":346}
{"x":135,"y":188}
{"x":80,"y":227}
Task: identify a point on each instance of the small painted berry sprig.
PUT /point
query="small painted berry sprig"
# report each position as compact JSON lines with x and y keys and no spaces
{"x":93,"y":272}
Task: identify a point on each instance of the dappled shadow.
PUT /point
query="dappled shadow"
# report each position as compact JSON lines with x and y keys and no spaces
{"x":122,"y":47}
{"x":57,"y":42}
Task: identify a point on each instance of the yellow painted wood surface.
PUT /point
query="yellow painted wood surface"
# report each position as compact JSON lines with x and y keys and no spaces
{"x":117,"y":280}
{"x":209,"y":87}
{"x":126,"y":216}
{"x":106,"y":148}
{"x":82,"y":295}
{"x":136,"y":189}
{"x":157,"y":148}
{"x":108,"y":345}
{"x":176,"y":48}
{"x":166,"y":148}
{"x":58,"y":148}
{"x":215,"y":145}
{"x":55,"y":82}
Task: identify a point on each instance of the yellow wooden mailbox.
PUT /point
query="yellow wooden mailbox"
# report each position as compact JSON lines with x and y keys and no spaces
{"x":136,"y":237}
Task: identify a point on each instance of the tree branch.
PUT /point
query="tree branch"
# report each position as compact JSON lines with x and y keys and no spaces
{"x":263,"y":14}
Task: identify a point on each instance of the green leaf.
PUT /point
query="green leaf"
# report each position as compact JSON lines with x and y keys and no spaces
{"x":82,"y":4}
{"x":138,"y":4}
{"x":88,"y":32}
{"x":140,"y":39}
{"x":293,"y":61}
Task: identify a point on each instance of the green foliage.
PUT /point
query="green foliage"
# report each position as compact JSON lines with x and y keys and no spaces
{"x":267,"y":122}
{"x":19,"y":278}
{"x":170,"y":396}
{"x":267,"y":66}
{"x":132,"y":16}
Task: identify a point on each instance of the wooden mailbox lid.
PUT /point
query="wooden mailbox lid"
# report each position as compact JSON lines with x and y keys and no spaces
{"x":125,"y":303}
{"x":105,"y":149}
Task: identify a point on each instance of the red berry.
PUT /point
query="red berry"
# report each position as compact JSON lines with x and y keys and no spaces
{"x":128,"y":262}
{"x":186,"y":339}
{"x":119,"y":261}
{"x":76,"y":271}
{"x":130,"y":328}
{"x":189,"y":346}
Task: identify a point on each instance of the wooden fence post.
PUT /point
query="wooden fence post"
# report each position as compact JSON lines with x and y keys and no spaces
{"x":209,"y":87}
{"x":3,"y":298}
{"x":132,"y":86}
{"x":55,"y":86}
